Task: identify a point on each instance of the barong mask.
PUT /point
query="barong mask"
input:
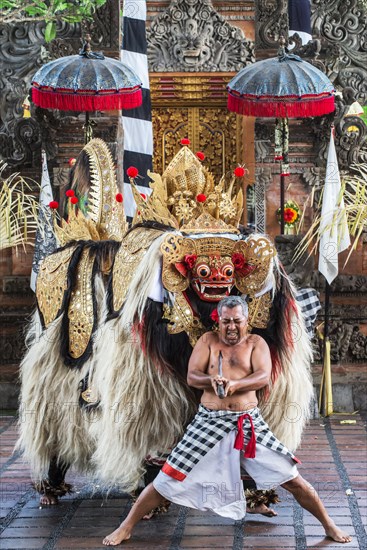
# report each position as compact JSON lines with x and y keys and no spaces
{"x":214,"y":265}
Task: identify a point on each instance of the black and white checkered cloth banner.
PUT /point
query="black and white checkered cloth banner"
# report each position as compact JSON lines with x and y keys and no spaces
{"x":299,"y":15}
{"x":207,"y":429}
{"x":309,"y":302}
{"x":137,"y":123}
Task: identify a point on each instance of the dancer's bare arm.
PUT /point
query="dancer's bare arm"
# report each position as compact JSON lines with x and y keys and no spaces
{"x":197,"y":376}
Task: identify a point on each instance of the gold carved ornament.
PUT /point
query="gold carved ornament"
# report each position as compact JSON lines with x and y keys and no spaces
{"x":52,"y":283}
{"x":106,"y":217}
{"x":181,"y":319}
{"x":259,"y":311}
{"x":81,"y":312}
{"x":258,"y":252}
{"x":127,"y":260}
{"x":186,"y":195}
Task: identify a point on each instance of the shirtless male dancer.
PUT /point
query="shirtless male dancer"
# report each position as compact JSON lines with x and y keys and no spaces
{"x":227,"y":433}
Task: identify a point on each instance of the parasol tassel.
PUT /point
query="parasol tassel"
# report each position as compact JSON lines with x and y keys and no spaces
{"x":74,"y":102}
{"x":301,"y":108}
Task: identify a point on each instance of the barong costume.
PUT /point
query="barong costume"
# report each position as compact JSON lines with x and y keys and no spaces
{"x":204,"y":469}
{"x":121,"y":310}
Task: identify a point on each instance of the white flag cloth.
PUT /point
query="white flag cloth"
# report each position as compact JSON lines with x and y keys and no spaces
{"x":45,"y":242}
{"x":334,"y":234}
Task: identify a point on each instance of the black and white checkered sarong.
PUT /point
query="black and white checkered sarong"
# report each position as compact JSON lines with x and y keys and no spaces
{"x":309,"y":302}
{"x":208,"y":428}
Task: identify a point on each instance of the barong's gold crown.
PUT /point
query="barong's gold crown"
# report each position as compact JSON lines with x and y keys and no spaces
{"x":187,"y":198}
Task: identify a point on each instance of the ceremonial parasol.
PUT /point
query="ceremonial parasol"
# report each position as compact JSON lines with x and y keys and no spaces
{"x":282,"y":87}
{"x":86,"y":82}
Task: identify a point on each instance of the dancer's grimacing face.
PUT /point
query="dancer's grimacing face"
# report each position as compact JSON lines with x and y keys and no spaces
{"x":232,"y":325}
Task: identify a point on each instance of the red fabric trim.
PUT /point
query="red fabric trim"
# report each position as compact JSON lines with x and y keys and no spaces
{"x":172,"y":472}
{"x":250,"y":451}
{"x":278,"y":107}
{"x":278,"y":98}
{"x":65,"y":101}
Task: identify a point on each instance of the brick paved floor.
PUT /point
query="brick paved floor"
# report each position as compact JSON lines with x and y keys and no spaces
{"x":334,"y":459}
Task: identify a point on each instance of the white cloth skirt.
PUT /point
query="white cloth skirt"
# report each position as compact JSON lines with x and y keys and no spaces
{"x":215,"y":481}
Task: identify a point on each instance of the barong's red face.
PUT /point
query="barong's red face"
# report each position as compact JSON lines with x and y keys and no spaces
{"x":212,"y":277}
{"x":232,"y":325}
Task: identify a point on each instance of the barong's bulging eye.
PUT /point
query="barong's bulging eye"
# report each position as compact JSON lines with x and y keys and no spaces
{"x":228,"y":271}
{"x":203,"y":270}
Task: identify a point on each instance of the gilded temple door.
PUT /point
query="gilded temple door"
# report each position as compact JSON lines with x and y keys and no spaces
{"x":194,"y":107}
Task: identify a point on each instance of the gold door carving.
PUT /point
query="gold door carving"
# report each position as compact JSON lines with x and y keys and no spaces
{"x":214,"y":131}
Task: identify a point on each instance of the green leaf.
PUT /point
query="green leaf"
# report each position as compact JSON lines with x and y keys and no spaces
{"x":50,"y":31}
{"x":7,"y":4}
{"x":61,"y":6}
{"x":35,"y":10}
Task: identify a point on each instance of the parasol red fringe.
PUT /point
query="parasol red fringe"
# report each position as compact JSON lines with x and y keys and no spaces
{"x":284,"y":108}
{"x":74,"y":102}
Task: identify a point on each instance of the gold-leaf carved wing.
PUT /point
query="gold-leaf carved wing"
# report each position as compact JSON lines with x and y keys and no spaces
{"x":52,"y":283}
{"x":127,"y":260}
{"x":258,"y":252}
{"x":80,"y":311}
{"x":174,"y":248}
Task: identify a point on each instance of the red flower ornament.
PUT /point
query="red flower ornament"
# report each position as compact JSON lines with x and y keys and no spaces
{"x":185,"y":141}
{"x":119,"y":197}
{"x":239,"y":172}
{"x":214,"y":316}
{"x":190,"y":260}
{"x":132,"y":172}
{"x":74,"y":200}
{"x":200,"y":155}
{"x":238,"y":260}
{"x":70,"y":193}
{"x":201,"y":197}
{"x":53,"y":205}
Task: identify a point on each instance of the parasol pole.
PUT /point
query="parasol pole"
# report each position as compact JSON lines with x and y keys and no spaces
{"x":281,"y":154}
{"x":86,"y":128}
{"x":282,"y":202}
{"x":326,"y":391}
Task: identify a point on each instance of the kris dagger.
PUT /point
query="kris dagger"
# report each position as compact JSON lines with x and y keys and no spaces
{"x":220,"y":387}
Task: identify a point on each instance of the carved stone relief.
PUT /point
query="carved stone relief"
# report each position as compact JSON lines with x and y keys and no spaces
{"x":191,"y":36}
{"x":271,"y":23}
{"x":342,"y":26}
{"x":348,"y":342}
{"x":22,"y":51}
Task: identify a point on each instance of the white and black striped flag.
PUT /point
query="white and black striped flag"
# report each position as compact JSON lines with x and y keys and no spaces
{"x":299,"y":15}
{"x":137,"y":123}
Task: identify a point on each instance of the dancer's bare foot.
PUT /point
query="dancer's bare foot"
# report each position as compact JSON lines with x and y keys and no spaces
{"x":120,"y":534}
{"x":337,"y":534}
{"x":48,"y":499}
{"x":263,"y":510}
